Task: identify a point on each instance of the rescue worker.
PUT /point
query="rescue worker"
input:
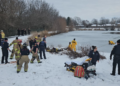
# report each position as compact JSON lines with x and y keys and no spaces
{"x":35,"y":53}
{"x":24,"y":58}
{"x":5,"y":49}
{"x":14,"y":43}
{"x":18,"y":32}
{"x":111,"y":43}
{"x":30,"y":43}
{"x":2,"y":34}
{"x":116,"y":59}
{"x":74,"y":43}
{"x":70,"y":46}
{"x":38,"y":39}
{"x":42,"y":47}
{"x":17,"y":52}
{"x":94,"y":55}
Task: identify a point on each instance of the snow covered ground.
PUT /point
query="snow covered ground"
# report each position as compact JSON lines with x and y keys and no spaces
{"x":52,"y":71}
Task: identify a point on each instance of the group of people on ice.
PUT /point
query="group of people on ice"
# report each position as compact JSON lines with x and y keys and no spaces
{"x":38,"y":45}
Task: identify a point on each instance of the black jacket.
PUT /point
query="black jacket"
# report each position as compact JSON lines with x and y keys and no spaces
{"x":115,"y":51}
{"x":94,"y":55}
{"x":5,"y":46}
{"x":24,"y":51}
{"x":42,"y":45}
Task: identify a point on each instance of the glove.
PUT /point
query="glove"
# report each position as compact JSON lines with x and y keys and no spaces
{"x":10,"y":50}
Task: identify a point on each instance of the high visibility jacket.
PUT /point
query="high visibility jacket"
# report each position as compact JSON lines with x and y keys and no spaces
{"x":74,"y":43}
{"x":17,"y":50}
{"x":3,"y":34}
{"x":14,"y":43}
{"x":38,"y":39}
{"x":111,"y":42}
{"x":70,"y":46}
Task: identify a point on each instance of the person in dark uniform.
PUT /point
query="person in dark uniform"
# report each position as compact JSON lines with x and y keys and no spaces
{"x":116,"y":59}
{"x":24,"y":58}
{"x":18,"y":32}
{"x":44,"y":39}
{"x":30,"y":43}
{"x":29,"y":31}
{"x":42,"y":47}
{"x":34,"y":41}
{"x":94,"y":55}
{"x":5,"y":49}
{"x":25,"y":32}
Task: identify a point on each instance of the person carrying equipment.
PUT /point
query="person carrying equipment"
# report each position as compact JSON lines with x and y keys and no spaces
{"x":74,"y":43}
{"x":70,"y":46}
{"x":24,"y":58}
{"x":38,"y":39}
{"x":35,"y":53}
{"x":14,"y":43}
{"x":17,"y":52}
{"x":111,"y":43}
{"x":42,"y":47}
{"x":5,"y":48}
{"x":2,"y":34}
{"x":116,"y":60}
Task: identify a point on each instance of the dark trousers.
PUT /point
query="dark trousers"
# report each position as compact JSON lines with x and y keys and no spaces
{"x":42,"y":50}
{"x":116,"y":61}
{"x":4,"y":56}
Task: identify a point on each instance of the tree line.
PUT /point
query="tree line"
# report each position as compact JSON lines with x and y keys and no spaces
{"x":35,"y":14}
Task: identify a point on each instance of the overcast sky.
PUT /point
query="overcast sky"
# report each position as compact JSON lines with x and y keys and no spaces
{"x":87,"y":9}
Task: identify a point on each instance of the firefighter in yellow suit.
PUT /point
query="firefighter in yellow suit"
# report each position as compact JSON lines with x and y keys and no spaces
{"x":2,"y":34}
{"x":14,"y":43}
{"x":74,"y":43}
{"x":38,"y":39}
{"x":17,"y":52}
{"x":111,"y":42}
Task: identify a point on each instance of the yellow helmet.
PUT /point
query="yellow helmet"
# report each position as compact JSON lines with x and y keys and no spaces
{"x":36,"y":37}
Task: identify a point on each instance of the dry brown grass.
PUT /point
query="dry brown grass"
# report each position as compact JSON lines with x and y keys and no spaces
{"x":84,"y":52}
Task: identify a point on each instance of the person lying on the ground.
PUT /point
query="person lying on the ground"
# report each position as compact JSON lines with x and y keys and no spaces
{"x":55,"y":50}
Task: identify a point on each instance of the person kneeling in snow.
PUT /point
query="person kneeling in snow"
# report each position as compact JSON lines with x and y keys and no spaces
{"x":94,"y":55}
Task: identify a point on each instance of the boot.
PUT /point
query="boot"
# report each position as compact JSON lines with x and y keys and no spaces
{"x":112,"y":74}
{"x":18,"y":71}
{"x":40,"y":62}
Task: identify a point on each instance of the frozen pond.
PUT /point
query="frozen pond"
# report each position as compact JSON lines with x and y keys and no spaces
{"x":97,"y":38}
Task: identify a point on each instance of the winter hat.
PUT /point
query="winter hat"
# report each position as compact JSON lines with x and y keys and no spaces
{"x":6,"y":38}
{"x":74,"y":38}
{"x":38,"y":35}
{"x":93,"y":47}
{"x":69,"y":42}
{"x":118,"y":41}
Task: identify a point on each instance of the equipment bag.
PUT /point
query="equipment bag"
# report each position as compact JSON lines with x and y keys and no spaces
{"x":79,"y":72}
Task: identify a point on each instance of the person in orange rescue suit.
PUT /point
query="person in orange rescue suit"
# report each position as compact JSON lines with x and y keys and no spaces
{"x":17,"y":52}
{"x":14,"y":43}
{"x":74,"y":43}
{"x":24,"y":58}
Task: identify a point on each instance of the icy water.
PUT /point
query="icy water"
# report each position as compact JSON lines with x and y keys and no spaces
{"x":97,"y":38}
